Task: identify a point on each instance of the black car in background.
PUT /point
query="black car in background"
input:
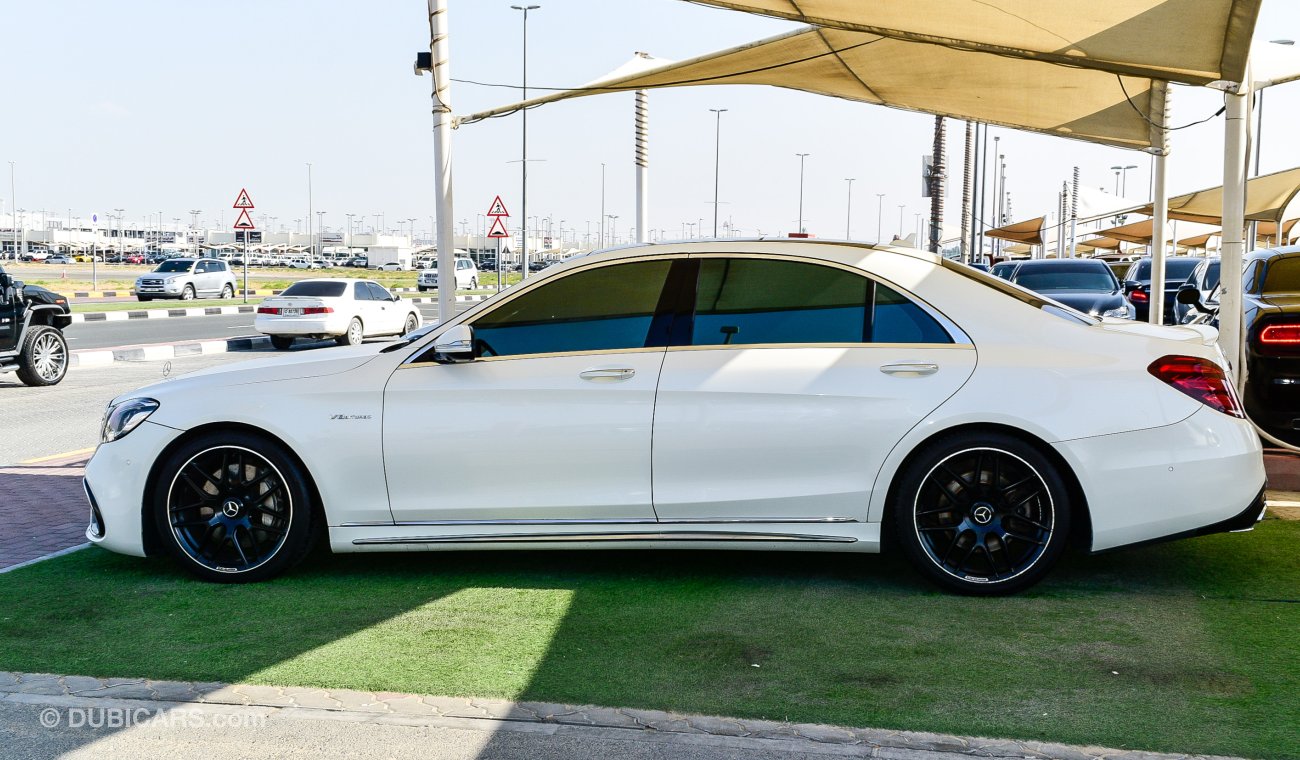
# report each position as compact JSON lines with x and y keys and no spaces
{"x":1084,"y":284}
{"x":1206,"y":278}
{"x":1271,"y":323}
{"x":1004,"y":269}
{"x":1137,"y":284}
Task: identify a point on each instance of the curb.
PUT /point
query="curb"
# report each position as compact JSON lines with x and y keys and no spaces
{"x":207,"y":311}
{"x":498,"y":715}
{"x":104,"y":357}
{"x":126,"y":315}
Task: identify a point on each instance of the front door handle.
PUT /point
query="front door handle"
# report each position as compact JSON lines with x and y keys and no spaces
{"x":910,"y":369}
{"x":607,"y":375}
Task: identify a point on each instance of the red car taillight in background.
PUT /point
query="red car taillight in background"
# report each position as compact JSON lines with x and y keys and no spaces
{"x":1139,"y":295}
{"x":1201,"y":379}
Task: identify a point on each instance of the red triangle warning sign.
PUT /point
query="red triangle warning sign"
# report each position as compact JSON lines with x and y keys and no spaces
{"x":498,"y":229}
{"x":498,"y":208}
{"x":243,"y":201}
{"x":243,"y":222}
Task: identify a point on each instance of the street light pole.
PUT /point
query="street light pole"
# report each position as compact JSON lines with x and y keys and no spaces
{"x":848,"y":211}
{"x":311,"y":248}
{"x":801,"y":156}
{"x":523,"y":164}
{"x":717,"y":158}
{"x":880,"y":215}
{"x":602,"y":205}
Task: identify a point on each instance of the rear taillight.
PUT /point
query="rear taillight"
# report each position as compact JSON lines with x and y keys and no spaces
{"x":267,"y":310}
{"x":318,"y":310}
{"x":1201,"y":379}
{"x":1138,"y":295}
{"x":1280,"y":335}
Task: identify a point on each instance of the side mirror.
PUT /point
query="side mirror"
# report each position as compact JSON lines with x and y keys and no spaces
{"x":455,"y":345}
{"x":1189,"y":295}
{"x":1130,"y":286}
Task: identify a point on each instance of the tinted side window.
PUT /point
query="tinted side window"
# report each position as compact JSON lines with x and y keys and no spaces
{"x":360,"y":291}
{"x":1282,"y":276}
{"x":754,"y":301}
{"x":377,"y":292}
{"x":606,"y":308}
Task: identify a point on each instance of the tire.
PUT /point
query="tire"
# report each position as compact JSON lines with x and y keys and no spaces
{"x":188,"y":293}
{"x":233,"y":507}
{"x":144,"y":298}
{"x":227,"y":292}
{"x":354,"y":335}
{"x":44,"y":358}
{"x":983,"y":514}
{"x":281,"y":342}
{"x":473,"y":284}
{"x":412,"y":323}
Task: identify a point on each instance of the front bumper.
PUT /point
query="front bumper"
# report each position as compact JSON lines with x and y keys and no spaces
{"x":1185,"y":479}
{"x":117,"y":476}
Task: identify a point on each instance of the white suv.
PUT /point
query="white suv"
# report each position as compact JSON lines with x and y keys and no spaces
{"x":466,"y":276}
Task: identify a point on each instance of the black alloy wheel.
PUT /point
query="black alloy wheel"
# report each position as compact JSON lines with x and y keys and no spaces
{"x":234,"y":507}
{"x":982,"y":514}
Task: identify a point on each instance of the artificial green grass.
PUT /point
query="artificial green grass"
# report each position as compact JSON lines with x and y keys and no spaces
{"x":1188,"y":647}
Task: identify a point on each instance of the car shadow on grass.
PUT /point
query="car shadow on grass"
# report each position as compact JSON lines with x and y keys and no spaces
{"x":1182,"y":647}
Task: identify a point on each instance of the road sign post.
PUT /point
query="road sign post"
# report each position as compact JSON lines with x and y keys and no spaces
{"x":497,"y":212}
{"x":94,"y":268}
{"x":243,"y":202}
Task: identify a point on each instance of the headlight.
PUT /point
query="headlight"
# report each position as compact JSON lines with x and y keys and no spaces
{"x":122,"y":418}
{"x":1118,"y":313}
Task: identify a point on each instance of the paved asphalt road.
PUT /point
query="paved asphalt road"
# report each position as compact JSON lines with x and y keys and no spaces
{"x":84,"y":335}
{"x":286,"y":734}
{"x":41,"y":422}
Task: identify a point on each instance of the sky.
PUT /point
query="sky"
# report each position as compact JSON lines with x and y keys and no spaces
{"x":165,"y":107}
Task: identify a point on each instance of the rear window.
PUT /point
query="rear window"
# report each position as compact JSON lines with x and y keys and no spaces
{"x":1071,"y":277}
{"x":316,"y":289}
{"x":1175,"y":269}
{"x":1283,"y":276}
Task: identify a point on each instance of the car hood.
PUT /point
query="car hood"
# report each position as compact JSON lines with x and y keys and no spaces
{"x":37,"y":294}
{"x":297,"y":365}
{"x":1087,"y":302}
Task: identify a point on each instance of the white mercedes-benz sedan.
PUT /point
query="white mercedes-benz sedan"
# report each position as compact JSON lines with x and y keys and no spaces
{"x":346,"y":310}
{"x":773,"y":395}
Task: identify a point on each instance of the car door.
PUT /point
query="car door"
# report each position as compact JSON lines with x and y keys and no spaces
{"x":10,"y":309}
{"x":552,"y":419}
{"x":390,"y":316}
{"x":793,"y":382}
{"x":364,"y":306}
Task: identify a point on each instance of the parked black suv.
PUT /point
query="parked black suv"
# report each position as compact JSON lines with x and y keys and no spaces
{"x":31,"y":332}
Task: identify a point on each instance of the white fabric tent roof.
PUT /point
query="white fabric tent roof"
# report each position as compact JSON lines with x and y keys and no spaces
{"x":1033,"y":95}
{"x":1188,"y":41}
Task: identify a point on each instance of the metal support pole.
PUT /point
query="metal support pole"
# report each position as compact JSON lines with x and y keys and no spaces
{"x":1074,"y":212}
{"x":440,"y":51}
{"x":643,"y":170}
{"x":966,"y":187}
{"x":1236,"y":131}
{"x":1159,"y":219}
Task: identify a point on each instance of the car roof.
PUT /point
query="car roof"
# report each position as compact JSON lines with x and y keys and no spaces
{"x":1054,"y":263}
{"x":1274,"y":253}
{"x":767,"y":245}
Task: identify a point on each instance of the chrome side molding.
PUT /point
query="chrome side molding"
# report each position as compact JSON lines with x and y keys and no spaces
{"x":610,"y":521}
{"x":670,"y":535}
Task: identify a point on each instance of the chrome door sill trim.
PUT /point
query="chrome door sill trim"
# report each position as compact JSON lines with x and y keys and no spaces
{"x":702,"y":535}
{"x":611,"y":521}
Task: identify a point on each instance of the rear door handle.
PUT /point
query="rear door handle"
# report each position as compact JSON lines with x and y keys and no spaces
{"x":910,"y":369}
{"x":607,"y":375}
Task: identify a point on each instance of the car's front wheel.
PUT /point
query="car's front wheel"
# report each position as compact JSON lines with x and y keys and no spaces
{"x":233,"y":507}
{"x":982,"y":513}
{"x":188,"y":293}
{"x":227,"y":292}
{"x":44,"y":357}
{"x":412,"y":322}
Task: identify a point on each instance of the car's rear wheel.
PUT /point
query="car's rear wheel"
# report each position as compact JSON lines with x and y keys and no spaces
{"x":354,"y":335}
{"x":412,"y":322}
{"x":982,"y":513}
{"x":281,"y":342}
{"x":44,"y":358}
{"x":233,"y":507}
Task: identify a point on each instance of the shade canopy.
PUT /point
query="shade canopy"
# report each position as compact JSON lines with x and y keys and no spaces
{"x":1033,"y":95}
{"x":1029,"y":231}
{"x":1020,"y":249}
{"x":1267,"y":199}
{"x":1189,"y":41}
{"x":1101,"y":244}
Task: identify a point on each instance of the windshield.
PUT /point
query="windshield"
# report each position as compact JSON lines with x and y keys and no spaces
{"x":174,"y":266}
{"x":316,"y":289}
{"x":1044,"y":279}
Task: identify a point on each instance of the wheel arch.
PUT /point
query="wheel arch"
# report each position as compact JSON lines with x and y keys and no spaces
{"x":1081,"y":519}
{"x":149,"y":532}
